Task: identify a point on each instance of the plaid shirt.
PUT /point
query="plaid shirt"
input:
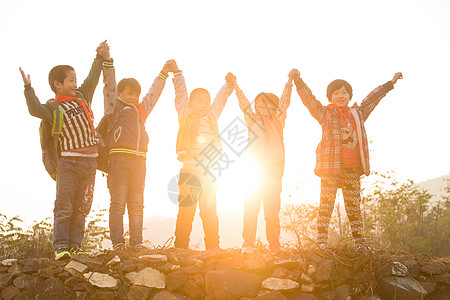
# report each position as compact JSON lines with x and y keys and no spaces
{"x":329,"y":150}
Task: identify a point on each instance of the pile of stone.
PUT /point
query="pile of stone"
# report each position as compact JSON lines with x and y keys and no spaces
{"x":227,"y":274}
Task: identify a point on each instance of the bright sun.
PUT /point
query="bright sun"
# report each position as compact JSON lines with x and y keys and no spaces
{"x":237,"y":183}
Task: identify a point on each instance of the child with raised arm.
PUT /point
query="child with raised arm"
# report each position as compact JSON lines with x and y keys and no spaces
{"x":343,"y":153}
{"x":77,"y":164}
{"x":128,"y":145}
{"x":198,"y":135}
{"x":267,"y":124}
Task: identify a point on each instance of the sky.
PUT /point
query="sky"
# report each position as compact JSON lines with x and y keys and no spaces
{"x":363,"y":42}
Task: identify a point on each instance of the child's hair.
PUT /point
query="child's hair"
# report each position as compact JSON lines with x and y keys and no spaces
{"x":199,"y":92}
{"x":58,"y":73}
{"x":134,"y":85}
{"x":268,"y":98}
{"x":337,"y":84}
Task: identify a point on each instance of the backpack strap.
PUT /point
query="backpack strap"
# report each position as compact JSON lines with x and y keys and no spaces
{"x":58,"y":118}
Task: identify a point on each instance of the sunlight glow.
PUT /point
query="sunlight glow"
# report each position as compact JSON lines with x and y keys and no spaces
{"x":237,"y":183}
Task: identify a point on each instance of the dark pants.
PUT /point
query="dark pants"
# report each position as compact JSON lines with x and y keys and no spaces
{"x":126,"y":181}
{"x":196,"y":187}
{"x":350,"y":184}
{"x":268,"y":192}
{"x":75,"y":179}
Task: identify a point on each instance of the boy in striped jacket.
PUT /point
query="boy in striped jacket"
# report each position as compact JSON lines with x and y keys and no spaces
{"x":343,"y":153}
{"x":77,"y":163}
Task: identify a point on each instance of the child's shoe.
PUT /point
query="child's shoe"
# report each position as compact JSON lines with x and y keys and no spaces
{"x":139,"y":247}
{"x":118,"y":247}
{"x":62,"y":253}
{"x":76,"y":251}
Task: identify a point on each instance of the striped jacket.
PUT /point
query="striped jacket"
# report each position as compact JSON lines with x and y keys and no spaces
{"x":329,"y":150}
{"x":76,"y":131}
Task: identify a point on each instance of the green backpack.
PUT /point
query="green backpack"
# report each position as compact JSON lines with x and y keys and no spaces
{"x":49,"y":134}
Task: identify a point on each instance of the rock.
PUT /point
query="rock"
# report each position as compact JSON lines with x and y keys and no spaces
{"x":32,"y":265}
{"x":130,"y":268}
{"x":199,"y":263}
{"x":182,"y":257}
{"x":399,"y":269}
{"x":138,"y":292}
{"x":270,"y":295}
{"x":294,"y":274}
{"x":302,"y":296}
{"x":176,"y":280}
{"x":280,"y":284}
{"x":131,"y":277}
{"x":228,"y":263}
{"x":289,"y":262}
{"x":229,"y":284}
{"x":191,"y":270}
{"x":74,"y":267}
{"x":280,"y":272}
{"x":102,"y":295}
{"x":6,"y":279}
{"x":323,"y":270}
{"x":102,"y":280}
{"x":79,"y":286}
{"x":311,"y":270}
{"x":165,"y":295}
{"x":371,"y":297}
{"x":70,"y":281}
{"x":8,"y":262}
{"x":329,"y":295}
{"x":442,"y":278}
{"x":192,"y":290}
{"x":305,"y":278}
{"x":199,"y":280}
{"x":44,"y":273}
{"x":9,"y":292}
{"x":151,"y":278}
{"x":88,"y":261}
{"x":23,"y":281}
{"x":153,"y":258}
{"x":342,"y":292}
{"x":254,"y":264}
{"x":307,"y":287}
{"x":430,"y":287}
{"x":433,"y":268}
{"x":16,"y":268}
{"x":403,"y":287}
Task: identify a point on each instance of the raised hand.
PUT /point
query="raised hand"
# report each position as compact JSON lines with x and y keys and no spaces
{"x":26,"y":78}
{"x":173,"y":66}
{"x":294,"y":73}
{"x":230,"y":78}
{"x":396,"y":77}
{"x":168,"y":66}
{"x":103,"y":50}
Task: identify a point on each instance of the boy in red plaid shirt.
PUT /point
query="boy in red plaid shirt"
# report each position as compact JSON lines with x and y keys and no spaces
{"x":343,"y":153}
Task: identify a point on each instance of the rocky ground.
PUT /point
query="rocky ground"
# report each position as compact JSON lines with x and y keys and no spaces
{"x":228,"y":274}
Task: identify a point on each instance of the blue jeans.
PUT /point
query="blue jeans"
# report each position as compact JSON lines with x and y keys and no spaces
{"x":126,"y":181}
{"x":268,"y":191}
{"x":75,"y":179}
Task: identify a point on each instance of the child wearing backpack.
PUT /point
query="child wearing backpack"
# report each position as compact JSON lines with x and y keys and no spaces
{"x":342,"y":154}
{"x":127,"y":143}
{"x":77,"y":141}
{"x":198,"y":136}
{"x":267,"y":123}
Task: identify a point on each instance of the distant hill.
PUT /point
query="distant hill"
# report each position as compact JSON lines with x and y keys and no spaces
{"x":435,"y":186}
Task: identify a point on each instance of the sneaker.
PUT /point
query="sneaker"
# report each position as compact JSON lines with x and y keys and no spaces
{"x":118,"y":247}
{"x":139,"y":247}
{"x":248,"y":250}
{"x":76,"y":251}
{"x":62,"y":253}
